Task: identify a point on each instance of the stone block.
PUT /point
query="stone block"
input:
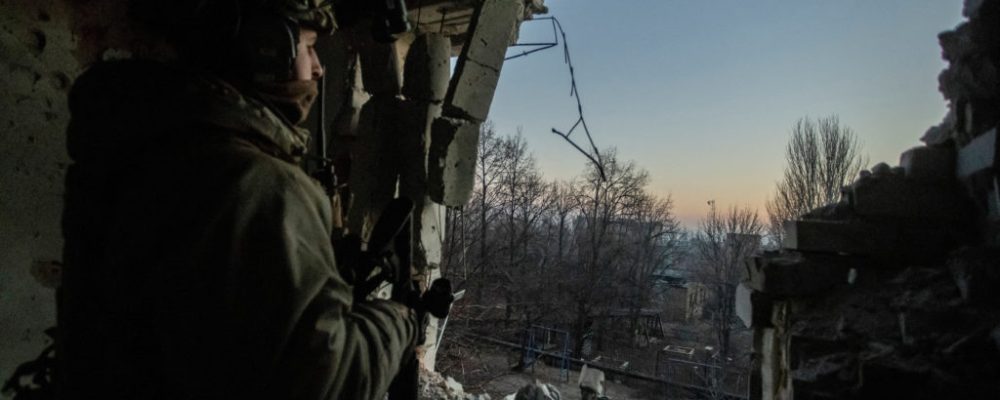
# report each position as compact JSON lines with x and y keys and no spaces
{"x":451,"y":163}
{"x":839,"y":237}
{"x":427,"y":68}
{"x":980,"y":154}
{"x":471,"y":90}
{"x":375,"y":162}
{"x":794,"y":274}
{"x":380,"y":69}
{"x":929,"y":164}
{"x":417,"y":119}
{"x":894,"y":197}
{"x":893,"y":244}
{"x":592,"y":379}
{"x":493,"y":29}
{"x":752,"y":307}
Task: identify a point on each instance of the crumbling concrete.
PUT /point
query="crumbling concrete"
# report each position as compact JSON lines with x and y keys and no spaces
{"x":434,"y":386}
{"x":915,"y":316}
{"x":452,"y":163}
{"x":455,"y":136}
{"x":494,"y":27}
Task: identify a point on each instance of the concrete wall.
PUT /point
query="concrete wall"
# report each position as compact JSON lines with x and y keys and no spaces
{"x":38,"y":66}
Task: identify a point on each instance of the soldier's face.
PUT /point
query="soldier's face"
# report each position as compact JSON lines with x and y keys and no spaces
{"x":307,"y":66}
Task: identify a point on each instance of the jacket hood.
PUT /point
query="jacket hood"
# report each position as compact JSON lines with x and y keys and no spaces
{"x":119,"y":106}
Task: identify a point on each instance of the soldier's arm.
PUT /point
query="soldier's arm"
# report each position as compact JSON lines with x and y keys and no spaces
{"x":327,"y":347}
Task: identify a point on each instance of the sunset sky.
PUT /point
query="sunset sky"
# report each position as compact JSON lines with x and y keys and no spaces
{"x":703,"y":94}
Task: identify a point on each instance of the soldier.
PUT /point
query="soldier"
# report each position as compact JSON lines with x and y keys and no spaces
{"x":198,"y":261}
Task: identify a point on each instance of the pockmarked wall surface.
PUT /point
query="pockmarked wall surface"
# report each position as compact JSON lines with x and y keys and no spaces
{"x":38,"y":67}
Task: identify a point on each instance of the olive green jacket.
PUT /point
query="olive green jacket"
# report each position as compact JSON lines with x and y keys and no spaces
{"x":198,"y":261}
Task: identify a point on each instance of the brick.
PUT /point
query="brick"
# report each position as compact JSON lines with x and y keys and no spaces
{"x":793,"y":274}
{"x":451,"y":160}
{"x":931,"y":164}
{"x":478,"y":69}
{"x":752,"y":307}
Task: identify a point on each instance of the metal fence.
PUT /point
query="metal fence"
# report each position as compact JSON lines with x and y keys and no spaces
{"x":714,"y":379}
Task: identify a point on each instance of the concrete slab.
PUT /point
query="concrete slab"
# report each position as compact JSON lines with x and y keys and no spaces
{"x":931,"y":164}
{"x":451,"y":161}
{"x":752,"y":307}
{"x":979,"y":154}
{"x":478,"y":70}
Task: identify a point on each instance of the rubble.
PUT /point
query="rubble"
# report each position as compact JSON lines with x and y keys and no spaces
{"x":434,"y":386}
{"x":536,"y":391}
{"x":889,"y":292}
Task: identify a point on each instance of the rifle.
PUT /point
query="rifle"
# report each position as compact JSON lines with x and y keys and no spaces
{"x":389,"y":249}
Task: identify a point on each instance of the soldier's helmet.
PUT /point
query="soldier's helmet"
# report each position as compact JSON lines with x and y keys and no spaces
{"x":314,"y":14}
{"x":254,"y":40}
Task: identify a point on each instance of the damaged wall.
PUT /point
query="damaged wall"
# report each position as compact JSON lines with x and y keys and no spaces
{"x":381,"y":125}
{"x":889,"y":293}
{"x":38,"y":65}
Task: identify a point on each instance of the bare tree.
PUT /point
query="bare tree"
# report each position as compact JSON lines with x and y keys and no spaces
{"x":604,"y":210}
{"x":722,"y":245}
{"x":523,"y":204}
{"x":822,"y":157}
{"x":653,"y":233}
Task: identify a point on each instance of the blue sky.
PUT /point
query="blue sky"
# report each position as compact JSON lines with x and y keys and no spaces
{"x":703,"y":94}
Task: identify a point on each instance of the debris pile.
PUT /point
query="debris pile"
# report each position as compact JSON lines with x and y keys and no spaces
{"x":435,"y":386}
{"x":888,"y":292}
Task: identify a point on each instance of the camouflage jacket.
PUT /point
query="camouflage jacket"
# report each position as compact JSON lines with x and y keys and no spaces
{"x":198,"y":261}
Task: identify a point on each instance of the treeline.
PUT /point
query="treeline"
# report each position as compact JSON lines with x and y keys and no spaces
{"x":556,"y":253}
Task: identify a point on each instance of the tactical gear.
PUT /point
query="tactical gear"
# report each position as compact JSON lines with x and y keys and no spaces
{"x":198,"y":261}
